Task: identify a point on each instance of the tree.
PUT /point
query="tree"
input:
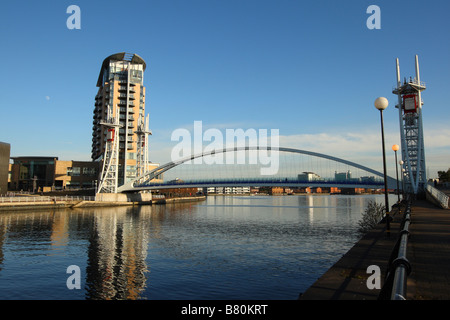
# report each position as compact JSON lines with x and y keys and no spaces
{"x":444,"y":176}
{"x":372,"y":216}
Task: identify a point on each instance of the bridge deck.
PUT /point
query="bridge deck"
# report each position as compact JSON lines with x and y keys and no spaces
{"x":428,"y":252}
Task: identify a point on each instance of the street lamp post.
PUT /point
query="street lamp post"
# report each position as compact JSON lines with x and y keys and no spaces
{"x":395,"y":147}
{"x":381,"y":103}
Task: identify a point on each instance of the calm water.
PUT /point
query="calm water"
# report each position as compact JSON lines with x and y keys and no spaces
{"x":222,"y":248}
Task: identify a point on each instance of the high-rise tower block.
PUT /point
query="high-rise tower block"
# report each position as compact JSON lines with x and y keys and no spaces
{"x":119,"y":138}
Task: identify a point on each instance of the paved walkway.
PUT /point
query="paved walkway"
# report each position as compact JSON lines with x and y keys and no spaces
{"x":428,"y":252}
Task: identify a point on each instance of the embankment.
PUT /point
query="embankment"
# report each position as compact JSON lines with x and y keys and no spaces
{"x":44,"y":203}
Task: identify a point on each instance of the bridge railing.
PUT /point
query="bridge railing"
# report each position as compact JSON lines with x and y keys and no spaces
{"x":398,"y":267}
{"x":438,"y":195}
{"x":286,"y":181}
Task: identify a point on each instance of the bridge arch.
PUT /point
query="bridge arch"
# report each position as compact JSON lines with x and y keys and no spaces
{"x":167,"y":166}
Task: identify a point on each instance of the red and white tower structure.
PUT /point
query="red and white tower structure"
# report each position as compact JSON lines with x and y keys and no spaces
{"x":411,"y":130}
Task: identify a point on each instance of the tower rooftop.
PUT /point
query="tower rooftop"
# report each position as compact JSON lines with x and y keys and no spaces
{"x":122,"y":56}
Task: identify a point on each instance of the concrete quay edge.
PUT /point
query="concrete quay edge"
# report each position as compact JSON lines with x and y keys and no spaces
{"x":347,"y":278}
{"x":428,"y":252}
{"x":14,"y":206}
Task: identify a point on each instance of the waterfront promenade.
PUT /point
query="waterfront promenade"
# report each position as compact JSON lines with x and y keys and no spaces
{"x":428,"y":252}
{"x":72,"y":202}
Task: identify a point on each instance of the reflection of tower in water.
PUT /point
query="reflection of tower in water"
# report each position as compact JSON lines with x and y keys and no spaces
{"x":117,"y":254}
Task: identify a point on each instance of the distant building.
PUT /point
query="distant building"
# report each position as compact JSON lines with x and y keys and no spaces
{"x":335,"y":190}
{"x":228,"y":190}
{"x":342,"y":176}
{"x":5,"y":149}
{"x":308,"y":176}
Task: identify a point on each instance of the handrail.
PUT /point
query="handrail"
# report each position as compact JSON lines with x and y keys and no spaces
{"x":438,"y":195}
{"x":398,"y":267}
{"x":45,"y":199}
{"x":401,"y":265}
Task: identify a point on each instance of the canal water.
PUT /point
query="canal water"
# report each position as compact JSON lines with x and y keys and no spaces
{"x":226,"y":247}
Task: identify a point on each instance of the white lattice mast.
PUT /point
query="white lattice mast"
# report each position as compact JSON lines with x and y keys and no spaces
{"x":142,"y":133}
{"x":411,"y":130}
{"x":108,"y":181}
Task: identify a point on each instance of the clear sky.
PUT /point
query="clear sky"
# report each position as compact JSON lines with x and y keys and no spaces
{"x":311,"y":69}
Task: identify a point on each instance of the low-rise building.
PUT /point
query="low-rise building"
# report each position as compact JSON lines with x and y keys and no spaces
{"x":75,"y":174}
{"x":42,"y":174}
{"x":32,"y":173}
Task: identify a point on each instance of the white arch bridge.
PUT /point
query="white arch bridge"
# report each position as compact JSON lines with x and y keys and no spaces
{"x":144,"y":182}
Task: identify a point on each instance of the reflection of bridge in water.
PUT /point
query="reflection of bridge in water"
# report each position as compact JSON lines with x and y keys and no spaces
{"x":293,"y":172}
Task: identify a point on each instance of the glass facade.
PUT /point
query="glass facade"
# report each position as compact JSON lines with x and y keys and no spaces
{"x":34,"y":172}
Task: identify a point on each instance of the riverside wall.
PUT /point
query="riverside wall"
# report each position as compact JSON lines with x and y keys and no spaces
{"x":103,"y":200}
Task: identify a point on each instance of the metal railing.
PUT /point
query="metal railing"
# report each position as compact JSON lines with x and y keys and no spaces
{"x":401,"y":264}
{"x":398,"y":267}
{"x":17,"y":199}
{"x":438,"y":195}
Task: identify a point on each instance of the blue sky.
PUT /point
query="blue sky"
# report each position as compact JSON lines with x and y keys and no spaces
{"x":311,"y":69}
